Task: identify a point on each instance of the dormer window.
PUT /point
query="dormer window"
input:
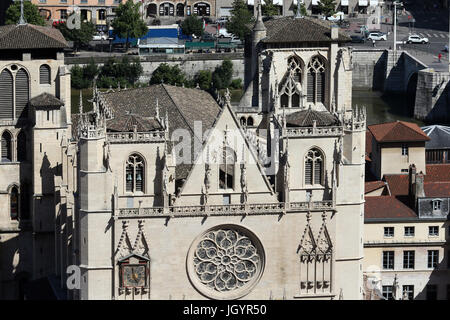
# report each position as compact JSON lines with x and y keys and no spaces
{"x":437,"y":204}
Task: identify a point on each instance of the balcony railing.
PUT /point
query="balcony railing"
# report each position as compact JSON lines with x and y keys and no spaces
{"x":231,"y":209}
{"x":139,"y":137}
{"x":313,"y":131}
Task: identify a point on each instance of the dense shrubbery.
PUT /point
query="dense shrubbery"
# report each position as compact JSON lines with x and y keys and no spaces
{"x":125,"y":72}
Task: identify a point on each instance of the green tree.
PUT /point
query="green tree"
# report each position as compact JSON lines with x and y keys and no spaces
{"x":78,"y":81}
{"x":241,"y":20}
{"x":128,"y":22}
{"x":80,"y":36}
{"x":91,"y":70}
{"x":327,"y":7}
{"x":222,"y":75}
{"x":203,"y":78}
{"x":192,"y":25}
{"x":168,"y":75}
{"x":30,"y":11}
{"x":126,"y":72}
{"x":303,"y":10}
{"x":269,"y":9}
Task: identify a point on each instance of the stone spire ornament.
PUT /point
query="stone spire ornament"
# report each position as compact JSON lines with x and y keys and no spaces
{"x":299,"y":15}
{"x":81,"y":102}
{"x":22,"y":20}
{"x":259,"y":25}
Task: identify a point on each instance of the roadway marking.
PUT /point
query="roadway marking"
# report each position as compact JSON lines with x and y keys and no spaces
{"x":428,"y":35}
{"x":434,"y":34}
{"x":442,"y":36}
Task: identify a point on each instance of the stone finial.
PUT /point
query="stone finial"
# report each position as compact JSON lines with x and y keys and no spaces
{"x":22,"y":19}
{"x":299,"y":15}
{"x":259,"y":25}
{"x":227,"y":96}
{"x":197,"y":86}
{"x":157,"y":108}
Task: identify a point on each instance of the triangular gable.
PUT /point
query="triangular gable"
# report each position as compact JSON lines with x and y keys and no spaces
{"x":198,"y":168}
{"x":323,"y":241}
{"x":140,"y":244}
{"x":307,"y":244}
{"x":124,"y":247}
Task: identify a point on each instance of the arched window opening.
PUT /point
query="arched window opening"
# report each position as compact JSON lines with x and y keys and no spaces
{"x":166,"y":9}
{"x":14,"y":203}
{"x":202,"y":9}
{"x":316,"y":80}
{"x":6,"y":147}
{"x":134,"y":174}
{"x":152,"y":9}
{"x":250,"y":121}
{"x":180,"y":10}
{"x":22,"y":146}
{"x":226,"y":169}
{"x":6,"y":96}
{"x":297,"y":67}
{"x":22,"y":93}
{"x":314,"y":167}
{"x":290,"y":91}
{"x":44,"y":74}
{"x":243,"y":121}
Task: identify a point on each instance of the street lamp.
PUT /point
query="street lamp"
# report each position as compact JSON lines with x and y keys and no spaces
{"x":395,"y":27}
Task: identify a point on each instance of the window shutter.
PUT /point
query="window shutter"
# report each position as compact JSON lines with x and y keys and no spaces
{"x":318,"y":172}
{"x":311,"y":87}
{"x":321,"y":87}
{"x":139,"y":178}
{"x":44,"y":74}
{"x":308,"y":171}
{"x":6,"y":96}
{"x":6,"y":146}
{"x":22,"y":93}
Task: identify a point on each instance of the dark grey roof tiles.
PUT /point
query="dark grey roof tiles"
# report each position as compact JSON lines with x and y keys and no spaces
{"x":29,"y":36}
{"x":46,"y":100}
{"x":291,"y":30}
{"x":306,"y":118}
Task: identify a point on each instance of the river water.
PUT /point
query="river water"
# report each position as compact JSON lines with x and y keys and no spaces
{"x":383,"y":108}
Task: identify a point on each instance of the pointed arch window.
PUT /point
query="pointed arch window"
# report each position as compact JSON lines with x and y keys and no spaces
{"x":22,"y":93}
{"x":290,"y":87}
{"x":316,"y":80}
{"x":134,"y":174}
{"x":6,"y":155}
{"x":6,"y":96}
{"x":44,"y":74}
{"x":314,"y":167}
{"x":14,"y":203}
{"x":226,"y":169}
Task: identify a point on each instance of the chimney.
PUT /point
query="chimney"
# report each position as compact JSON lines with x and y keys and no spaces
{"x":334,"y":32}
{"x":412,"y":178}
{"x":418,"y":188}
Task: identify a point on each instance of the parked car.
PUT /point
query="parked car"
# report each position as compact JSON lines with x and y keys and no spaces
{"x":223,"y":33}
{"x":208,"y":37}
{"x":337,"y":16}
{"x":98,"y":37}
{"x":357,"y":38}
{"x":415,"y":38}
{"x":377,"y":36}
{"x":222,"y":20}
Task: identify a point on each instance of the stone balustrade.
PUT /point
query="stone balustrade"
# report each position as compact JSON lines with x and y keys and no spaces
{"x":313,"y":131}
{"x":136,"y":137}
{"x":231,"y":209}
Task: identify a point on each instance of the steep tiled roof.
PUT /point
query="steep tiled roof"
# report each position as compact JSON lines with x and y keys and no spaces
{"x":46,"y":100}
{"x":289,"y":29}
{"x":128,"y":123}
{"x":373,"y":185}
{"x":437,"y":189}
{"x":437,"y":172}
{"x":398,"y":131}
{"x":29,"y":36}
{"x":183,"y":106}
{"x":305,"y":118}
{"x":386,"y":207}
{"x":398,"y":184}
{"x":439,"y":135}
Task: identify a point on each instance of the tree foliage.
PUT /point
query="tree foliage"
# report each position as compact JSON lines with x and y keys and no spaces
{"x":204,"y":79}
{"x":269,"y":9}
{"x":30,"y":11}
{"x":125,"y":72}
{"x":128,"y":22}
{"x":222,"y":75}
{"x":169,"y":75}
{"x":303,"y":10}
{"x":80,"y":36}
{"x":192,"y":25}
{"x":327,"y":7}
{"x":241,"y":20}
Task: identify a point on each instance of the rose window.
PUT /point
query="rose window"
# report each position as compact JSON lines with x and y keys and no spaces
{"x":226,"y":262}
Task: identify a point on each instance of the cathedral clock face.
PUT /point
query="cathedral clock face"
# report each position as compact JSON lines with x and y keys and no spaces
{"x":134,"y":276}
